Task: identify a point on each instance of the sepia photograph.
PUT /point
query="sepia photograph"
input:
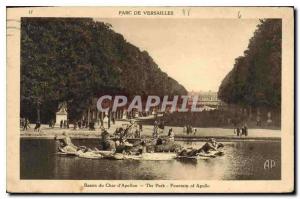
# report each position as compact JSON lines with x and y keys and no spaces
{"x":146,"y":96}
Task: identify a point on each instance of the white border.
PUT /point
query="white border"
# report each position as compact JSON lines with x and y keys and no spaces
{"x":103,"y":3}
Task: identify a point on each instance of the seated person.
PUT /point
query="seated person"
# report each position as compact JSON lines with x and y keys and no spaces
{"x":65,"y":144}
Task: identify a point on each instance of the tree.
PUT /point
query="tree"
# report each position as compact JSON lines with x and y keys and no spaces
{"x":255,"y":79}
{"x":75,"y":60}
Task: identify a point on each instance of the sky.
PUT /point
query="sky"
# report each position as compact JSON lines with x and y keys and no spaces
{"x":198,"y":53}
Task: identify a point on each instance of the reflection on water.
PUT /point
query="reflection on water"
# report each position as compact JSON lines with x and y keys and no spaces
{"x":242,"y":161}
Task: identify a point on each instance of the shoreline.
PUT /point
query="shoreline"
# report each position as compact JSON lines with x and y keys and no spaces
{"x":202,"y":134}
{"x":177,"y":138}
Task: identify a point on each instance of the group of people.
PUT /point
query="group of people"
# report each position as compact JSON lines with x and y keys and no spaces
{"x":24,"y":123}
{"x":64,"y":124}
{"x":118,"y":144}
{"x":189,"y":130}
{"x":131,"y":130}
{"x":241,"y":130}
{"x":51,"y":123}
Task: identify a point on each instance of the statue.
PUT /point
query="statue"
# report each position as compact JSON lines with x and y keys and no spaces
{"x":61,"y":114}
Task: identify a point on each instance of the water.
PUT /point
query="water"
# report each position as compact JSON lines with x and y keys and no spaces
{"x":242,"y":161}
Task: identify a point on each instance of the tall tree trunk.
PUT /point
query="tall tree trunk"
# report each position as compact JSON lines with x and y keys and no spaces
{"x":109,"y":117}
{"x":88,"y":117}
{"x":38,"y":113}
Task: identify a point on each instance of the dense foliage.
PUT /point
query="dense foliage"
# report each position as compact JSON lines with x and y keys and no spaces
{"x":74,"y":60}
{"x":255,"y":79}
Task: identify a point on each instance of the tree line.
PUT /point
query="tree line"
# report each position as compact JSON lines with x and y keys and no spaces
{"x":255,"y":80}
{"x":75,"y":60}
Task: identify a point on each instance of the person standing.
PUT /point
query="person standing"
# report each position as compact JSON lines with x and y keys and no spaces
{"x":37,"y":126}
{"x":238,"y":131}
{"x":26,"y":125}
{"x":245,"y":129}
{"x":50,"y":124}
{"x":65,"y":124}
{"x":75,"y":125}
{"x":194,"y":131}
{"x":171,"y":135}
{"x":22,"y":123}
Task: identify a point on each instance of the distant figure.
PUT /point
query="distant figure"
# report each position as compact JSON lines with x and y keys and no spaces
{"x":75,"y":125}
{"x":188,"y":129}
{"x":245,"y":130}
{"x":37,"y":126}
{"x":269,"y":121}
{"x":92,"y":126}
{"x":26,"y":124}
{"x":194,"y":131}
{"x":65,"y":124}
{"x":50,"y":123}
{"x":22,"y":123}
{"x":171,"y":135}
{"x":61,"y":124}
{"x":238,"y":131}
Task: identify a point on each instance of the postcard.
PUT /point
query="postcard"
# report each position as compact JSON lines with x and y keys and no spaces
{"x":150,"y":99}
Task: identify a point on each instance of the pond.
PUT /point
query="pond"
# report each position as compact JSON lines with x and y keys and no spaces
{"x":243,"y":160}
